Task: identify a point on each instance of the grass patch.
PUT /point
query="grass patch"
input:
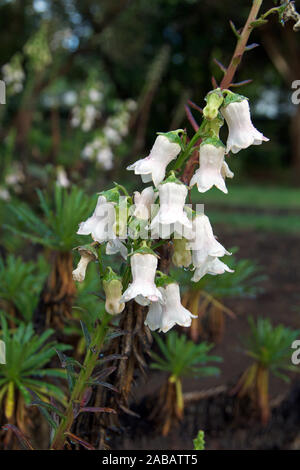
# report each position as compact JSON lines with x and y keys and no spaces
{"x":251,"y":196}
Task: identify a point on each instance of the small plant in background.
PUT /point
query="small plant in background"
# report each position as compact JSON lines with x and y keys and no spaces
{"x":57,"y":233}
{"x":180,"y":358}
{"x":26,"y":373}
{"x":20,"y":285}
{"x":206,"y":297}
{"x":199,"y":441}
{"x":270,"y":348}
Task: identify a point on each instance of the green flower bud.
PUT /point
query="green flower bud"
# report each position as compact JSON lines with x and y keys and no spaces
{"x":182,"y":255}
{"x":214,"y":100}
{"x":112,"y":286}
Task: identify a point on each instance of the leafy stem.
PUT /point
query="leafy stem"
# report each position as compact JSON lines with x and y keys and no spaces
{"x":241,"y":45}
{"x":91,"y":358}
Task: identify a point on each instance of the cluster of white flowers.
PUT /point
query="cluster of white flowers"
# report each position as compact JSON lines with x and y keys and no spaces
{"x":13,"y":75}
{"x":195,"y":245}
{"x":88,"y":109}
{"x":99,"y":150}
{"x":110,"y":136}
{"x":13,"y":180}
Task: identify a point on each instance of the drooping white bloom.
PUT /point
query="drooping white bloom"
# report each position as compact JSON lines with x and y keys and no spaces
{"x":204,"y":243}
{"x":211,"y":266}
{"x":142,"y":288}
{"x":143,"y":202}
{"x":226,"y":172}
{"x":79,"y":273}
{"x":154,"y":316}
{"x":100,"y":224}
{"x":170,"y":313}
{"x":171,"y":217}
{"x":154,"y":166}
{"x":116,"y":246}
{"x":242,"y":133}
{"x":211,"y":160}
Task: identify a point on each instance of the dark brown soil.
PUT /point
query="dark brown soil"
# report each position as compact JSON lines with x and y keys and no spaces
{"x":279,"y":256}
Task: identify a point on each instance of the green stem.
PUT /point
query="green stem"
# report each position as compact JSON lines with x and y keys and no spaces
{"x":186,"y":154}
{"x":81,"y":383}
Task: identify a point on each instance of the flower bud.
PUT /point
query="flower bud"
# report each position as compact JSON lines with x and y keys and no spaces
{"x":113,"y":292}
{"x":214,"y":100}
{"x":182,"y":256}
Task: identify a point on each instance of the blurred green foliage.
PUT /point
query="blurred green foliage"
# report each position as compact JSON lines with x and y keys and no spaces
{"x":62,"y":216}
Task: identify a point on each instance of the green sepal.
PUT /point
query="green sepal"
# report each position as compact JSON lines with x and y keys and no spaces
{"x":232,"y":98}
{"x":144,"y":249}
{"x":110,"y":275}
{"x":163,"y":280}
{"x":173,"y":136}
{"x":212,"y":141}
{"x":111,"y":195}
{"x":172,"y":179}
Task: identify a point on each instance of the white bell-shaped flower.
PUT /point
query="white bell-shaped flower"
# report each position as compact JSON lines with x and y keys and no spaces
{"x":211,"y":266}
{"x":171,"y":217}
{"x":154,"y":166}
{"x":171,"y":313}
{"x":204,"y":243}
{"x":242,"y":133}
{"x":143,"y":202}
{"x":142,"y":288}
{"x":154,"y":316}
{"x":226,"y":172}
{"x":211,"y":160}
{"x":100,"y":224}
